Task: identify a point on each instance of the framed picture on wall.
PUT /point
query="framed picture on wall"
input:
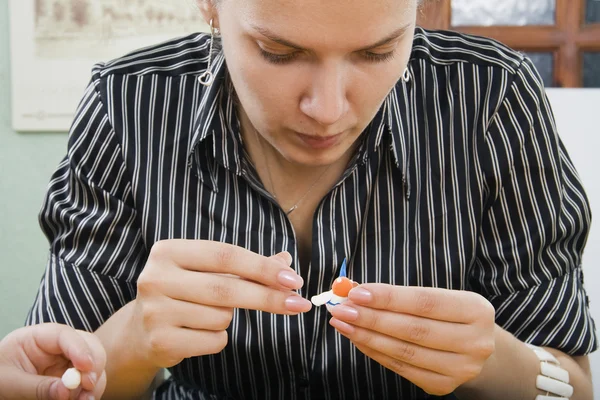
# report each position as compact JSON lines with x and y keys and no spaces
{"x":55,"y":43}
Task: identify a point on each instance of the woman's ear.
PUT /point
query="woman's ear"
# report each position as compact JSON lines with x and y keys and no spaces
{"x":208,"y":10}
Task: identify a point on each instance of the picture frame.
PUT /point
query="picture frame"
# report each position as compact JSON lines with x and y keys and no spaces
{"x":55,"y":43}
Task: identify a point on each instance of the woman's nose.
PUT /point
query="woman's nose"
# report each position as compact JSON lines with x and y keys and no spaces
{"x":325,"y":100}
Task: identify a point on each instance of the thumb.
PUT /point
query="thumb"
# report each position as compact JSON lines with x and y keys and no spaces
{"x":48,"y":388}
{"x":16,"y":384}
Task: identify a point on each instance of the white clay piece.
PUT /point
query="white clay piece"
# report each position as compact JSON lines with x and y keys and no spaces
{"x":71,"y":378}
{"x":338,"y":293}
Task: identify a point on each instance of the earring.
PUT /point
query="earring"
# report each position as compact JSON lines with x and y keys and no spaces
{"x":406,"y":75}
{"x":207,"y":77}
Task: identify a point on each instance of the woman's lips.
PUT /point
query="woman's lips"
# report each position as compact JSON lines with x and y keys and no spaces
{"x":320,"y":142}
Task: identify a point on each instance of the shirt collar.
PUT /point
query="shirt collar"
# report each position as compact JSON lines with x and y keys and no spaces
{"x":399,"y":106}
{"x":216,"y":123}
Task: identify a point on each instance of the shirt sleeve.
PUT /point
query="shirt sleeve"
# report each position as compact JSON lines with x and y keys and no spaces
{"x":535,"y":225}
{"x":88,"y":216}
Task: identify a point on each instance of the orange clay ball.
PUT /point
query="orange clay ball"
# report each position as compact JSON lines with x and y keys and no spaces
{"x":342,"y":286}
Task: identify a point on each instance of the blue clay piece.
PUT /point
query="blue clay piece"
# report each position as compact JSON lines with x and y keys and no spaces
{"x":343,"y":269}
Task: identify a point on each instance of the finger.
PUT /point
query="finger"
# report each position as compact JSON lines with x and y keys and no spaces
{"x":85,"y":395}
{"x":199,"y":316}
{"x":434,"y":334}
{"x":433,"y":303}
{"x":284,"y":256}
{"x":216,"y":290}
{"x":17,"y":384}
{"x":171,"y":345}
{"x":441,"y":362}
{"x":89,"y":378}
{"x":89,"y":381}
{"x":210,"y":256}
{"x":431,"y":382}
{"x":101,"y":386}
{"x":57,"y":339}
{"x":75,"y":393}
{"x":185,"y":314}
{"x":97,"y":392}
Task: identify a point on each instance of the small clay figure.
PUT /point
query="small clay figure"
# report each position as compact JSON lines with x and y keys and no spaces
{"x":339,"y":290}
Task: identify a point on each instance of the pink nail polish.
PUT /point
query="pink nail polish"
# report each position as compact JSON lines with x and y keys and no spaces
{"x":297,"y":304}
{"x":345,"y":312}
{"x":360,"y":295}
{"x":93,"y":377}
{"x":290,"y":279}
{"x":341,"y":326}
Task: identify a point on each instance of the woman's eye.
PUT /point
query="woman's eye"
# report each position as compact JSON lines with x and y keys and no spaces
{"x":277,"y":58}
{"x":378,"y":57}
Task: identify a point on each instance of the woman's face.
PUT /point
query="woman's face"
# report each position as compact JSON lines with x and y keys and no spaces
{"x":311,"y":74}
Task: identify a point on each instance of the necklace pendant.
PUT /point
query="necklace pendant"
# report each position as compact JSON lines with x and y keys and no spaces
{"x":288,"y":212}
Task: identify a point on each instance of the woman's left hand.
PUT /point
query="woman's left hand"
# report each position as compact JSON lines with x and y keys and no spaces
{"x":438,"y":339}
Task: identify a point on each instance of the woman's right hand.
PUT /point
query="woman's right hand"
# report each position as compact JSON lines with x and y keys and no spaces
{"x":189,"y":288}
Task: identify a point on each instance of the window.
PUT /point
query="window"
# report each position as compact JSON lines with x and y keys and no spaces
{"x":562,"y":37}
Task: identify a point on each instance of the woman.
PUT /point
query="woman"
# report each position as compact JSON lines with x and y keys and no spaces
{"x":215,"y":182}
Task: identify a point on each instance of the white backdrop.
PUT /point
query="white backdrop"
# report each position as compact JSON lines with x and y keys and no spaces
{"x":577,"y":112}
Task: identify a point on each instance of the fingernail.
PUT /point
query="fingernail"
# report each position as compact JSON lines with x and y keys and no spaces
{"x":341,"y":326}
{"x":93,"y":377}
{"x":344,"y":312}
{"x":290,"y":279}
{"x":91,"y":358}
{"x":297,"y":304}
{"x":360,"y":295}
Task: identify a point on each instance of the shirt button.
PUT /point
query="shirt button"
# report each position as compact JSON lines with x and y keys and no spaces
{"x":303,"y":382}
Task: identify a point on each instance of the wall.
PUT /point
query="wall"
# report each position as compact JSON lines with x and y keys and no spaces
{"x":27,"y":160}
{"x":576,"y":113}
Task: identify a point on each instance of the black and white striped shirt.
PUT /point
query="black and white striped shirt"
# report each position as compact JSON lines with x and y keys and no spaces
{"x":461,"y":182}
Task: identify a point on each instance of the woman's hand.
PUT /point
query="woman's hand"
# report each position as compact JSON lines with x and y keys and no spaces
{"x":189,"y":288}
{"x":33,"y":359}
{"x":436,"y":338}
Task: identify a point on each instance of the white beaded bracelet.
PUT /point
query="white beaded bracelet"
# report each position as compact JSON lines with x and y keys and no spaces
{"x":552,"y":378}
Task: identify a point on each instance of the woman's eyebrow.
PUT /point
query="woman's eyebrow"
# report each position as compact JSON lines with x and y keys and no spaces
{"x":390,"y":38}
{"x":271,"y":36}
{"x":284,"y":42}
